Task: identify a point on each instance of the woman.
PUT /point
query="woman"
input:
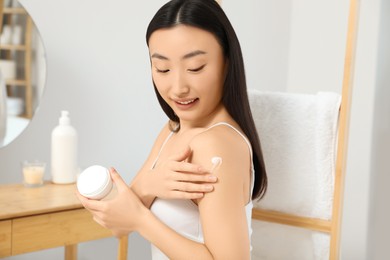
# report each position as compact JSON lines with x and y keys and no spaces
{"x":184,"y":211}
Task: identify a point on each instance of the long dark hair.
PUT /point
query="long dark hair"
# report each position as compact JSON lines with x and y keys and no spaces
{"x":209,"y":16}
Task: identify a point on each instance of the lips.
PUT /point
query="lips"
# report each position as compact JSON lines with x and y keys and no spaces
{"x":186,"y":103}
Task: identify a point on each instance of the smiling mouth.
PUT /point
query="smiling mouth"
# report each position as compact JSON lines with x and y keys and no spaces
{"x":187,"y":102}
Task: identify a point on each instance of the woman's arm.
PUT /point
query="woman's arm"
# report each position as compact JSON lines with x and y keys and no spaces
{"x":222,"y":212}
{"x":125,"y":213}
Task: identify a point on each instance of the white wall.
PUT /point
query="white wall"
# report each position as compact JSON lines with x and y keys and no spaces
{"x":379,"y":227}
{"x":98,"y":69}
{"x":263,"y":28}
{"x":317,"y":45}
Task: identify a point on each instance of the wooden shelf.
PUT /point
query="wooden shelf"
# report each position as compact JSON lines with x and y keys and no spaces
{"x":16,"y":82}
{"x":11,"y":47}
{"x":14,"y":10}
{"x":6,"y":19}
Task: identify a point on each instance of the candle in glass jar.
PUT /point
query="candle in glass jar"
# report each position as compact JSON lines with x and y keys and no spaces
{"x":33,"y":173}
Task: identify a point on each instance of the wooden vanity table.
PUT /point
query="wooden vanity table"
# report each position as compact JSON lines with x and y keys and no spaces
{"x":33,"y":219}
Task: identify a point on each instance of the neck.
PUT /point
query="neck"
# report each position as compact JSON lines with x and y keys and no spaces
{"x":219,"y":115}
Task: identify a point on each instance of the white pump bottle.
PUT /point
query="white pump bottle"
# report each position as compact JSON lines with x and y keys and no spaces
{"x":64,"y":141}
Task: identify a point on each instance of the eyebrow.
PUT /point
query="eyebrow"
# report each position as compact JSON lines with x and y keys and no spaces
{"x":187,"y":56}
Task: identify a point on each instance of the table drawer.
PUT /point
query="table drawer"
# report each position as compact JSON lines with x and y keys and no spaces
{"x":5,"y":238}
{"x":54,"y":230}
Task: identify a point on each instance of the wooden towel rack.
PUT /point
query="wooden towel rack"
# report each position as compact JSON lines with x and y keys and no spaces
{"x":331,"y":226}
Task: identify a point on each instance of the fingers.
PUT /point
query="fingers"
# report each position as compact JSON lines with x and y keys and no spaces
{"x":182,"y":156}
{"x":193,"y":187}
{"x":188,"y":167}
{"x":186,"y":195}
{"x":194,"y":178}
{"x":117,"y":179}
{"x":99,"y":221}
{"x":181,"y":166}
{"x":91,"y":205}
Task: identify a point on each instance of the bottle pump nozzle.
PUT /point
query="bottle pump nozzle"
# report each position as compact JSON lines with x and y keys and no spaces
{"x":64,"y":119}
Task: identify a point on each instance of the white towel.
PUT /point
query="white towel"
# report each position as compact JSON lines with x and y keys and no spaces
{"x":298,"y":135}
{"x":273,"y":241}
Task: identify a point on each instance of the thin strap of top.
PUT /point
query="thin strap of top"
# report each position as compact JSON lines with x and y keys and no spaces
{"x":235,"y":129}
{"x":161,"y":148}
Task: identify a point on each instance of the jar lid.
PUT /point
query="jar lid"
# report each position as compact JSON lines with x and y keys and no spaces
{"x":94,"y":182}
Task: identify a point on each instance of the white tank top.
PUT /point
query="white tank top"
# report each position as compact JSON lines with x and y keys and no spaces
{"x":183,"y":215}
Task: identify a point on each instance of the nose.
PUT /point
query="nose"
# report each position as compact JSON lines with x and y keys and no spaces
{"x":179,"y":84}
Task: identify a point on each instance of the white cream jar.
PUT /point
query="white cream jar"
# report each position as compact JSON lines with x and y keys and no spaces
{"x":94,"y":182}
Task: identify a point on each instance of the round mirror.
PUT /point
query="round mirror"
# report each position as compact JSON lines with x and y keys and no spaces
{"x":22,"y":70}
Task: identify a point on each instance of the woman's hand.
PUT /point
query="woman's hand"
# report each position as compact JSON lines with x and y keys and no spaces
{"x":174,"y":179}
{"x":122,"y":214}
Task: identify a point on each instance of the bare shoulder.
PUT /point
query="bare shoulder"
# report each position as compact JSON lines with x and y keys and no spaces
{"x":221,"y":141}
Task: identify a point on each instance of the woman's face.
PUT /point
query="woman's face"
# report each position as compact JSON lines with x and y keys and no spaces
{"x":188,"y":69}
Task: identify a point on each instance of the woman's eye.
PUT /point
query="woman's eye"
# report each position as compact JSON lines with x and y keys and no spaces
{"x":162,"y":71}
{"x":197,"y":69}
